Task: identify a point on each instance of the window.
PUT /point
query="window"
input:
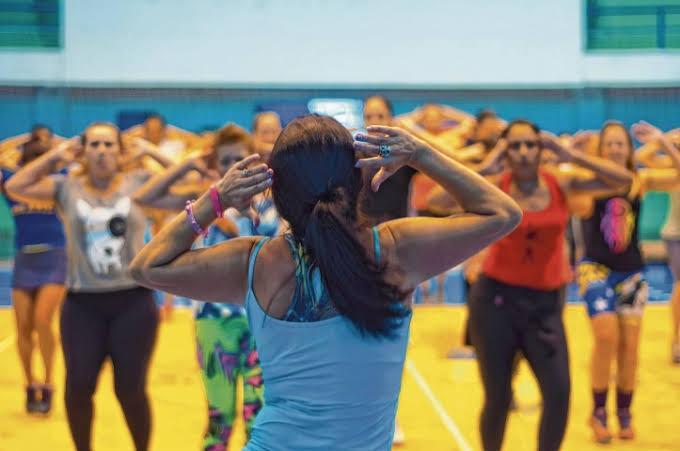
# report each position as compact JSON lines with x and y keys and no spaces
{"x":30,"y":23}
{"x":349,"y":112}
{"x":633,"y":24}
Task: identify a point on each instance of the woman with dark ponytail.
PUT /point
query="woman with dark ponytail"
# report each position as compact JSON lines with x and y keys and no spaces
{"x":329,"y":303}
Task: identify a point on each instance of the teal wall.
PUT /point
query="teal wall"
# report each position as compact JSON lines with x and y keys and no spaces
{"x":69,"y":110}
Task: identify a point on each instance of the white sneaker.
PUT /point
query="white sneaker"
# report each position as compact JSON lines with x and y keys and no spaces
{"x":399,"y":437}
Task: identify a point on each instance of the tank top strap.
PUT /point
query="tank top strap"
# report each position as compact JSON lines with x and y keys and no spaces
{"x":376,"y":244}
{"x":251,"y":261}
{"x":556,"y":192}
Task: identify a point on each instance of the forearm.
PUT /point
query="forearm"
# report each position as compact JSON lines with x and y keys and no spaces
{"x":648,"y":155}
{"x":14,"y":141}
{"x":603,"y":169}
{"x":32,"y":173}
{"x":160,"y":158}
{"x":159,"y":185}
{"x":455,"y":114}
{"x":174,"y":239}
{"x":471,"y":191}
{"x":490,"y":165}
{"x":440,"y":202}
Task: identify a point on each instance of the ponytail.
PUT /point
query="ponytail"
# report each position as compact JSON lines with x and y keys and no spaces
{"x":354,"y":281}
{"x":315,"y":189}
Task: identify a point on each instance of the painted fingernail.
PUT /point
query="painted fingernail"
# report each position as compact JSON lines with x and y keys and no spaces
{"x":359,"y":137}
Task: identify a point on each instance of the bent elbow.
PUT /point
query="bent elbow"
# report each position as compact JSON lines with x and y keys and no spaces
{"x":11,"y":188}
{"x":138,"y":271}
{"x":511,"y":217}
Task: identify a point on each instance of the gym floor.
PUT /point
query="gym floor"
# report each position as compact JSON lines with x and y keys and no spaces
{"x":439,"y":406}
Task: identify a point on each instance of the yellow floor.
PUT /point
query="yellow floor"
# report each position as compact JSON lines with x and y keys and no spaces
{"x":439,"y":406}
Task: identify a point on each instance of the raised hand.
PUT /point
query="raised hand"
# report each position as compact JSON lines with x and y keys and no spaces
{"x":68,"y":151}
{"x":551,"y":142}
{"x":241,"y":183}
{"x":142,"y":147}
{"x":393,"y":147}
{"x":580,"y":139}
{"x":646,"y":132}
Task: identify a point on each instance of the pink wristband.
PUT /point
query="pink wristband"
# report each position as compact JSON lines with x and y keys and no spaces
{"x":216,"y":203}
{"x":192,"y":220}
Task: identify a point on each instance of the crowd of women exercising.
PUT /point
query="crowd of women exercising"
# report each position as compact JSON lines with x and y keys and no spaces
{"x":302,"y":247}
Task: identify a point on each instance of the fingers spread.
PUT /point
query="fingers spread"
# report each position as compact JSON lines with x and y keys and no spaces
{"x":260,"y":168}
{"x":385,"y":130}
{"x":250,"y":191}
{"x":255,"y":179}
{"x":366,"y":147}
{"x":372,"y":139}
{"x":373,"y":162}
{"x":247,"y":161}
{"x":382,"y":175}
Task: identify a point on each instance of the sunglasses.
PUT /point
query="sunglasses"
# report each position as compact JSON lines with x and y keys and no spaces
{"x":107,"y":144}
{"x":515,"y":145}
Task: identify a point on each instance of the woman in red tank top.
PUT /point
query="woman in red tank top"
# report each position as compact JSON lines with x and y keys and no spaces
{"x":516,"y":304}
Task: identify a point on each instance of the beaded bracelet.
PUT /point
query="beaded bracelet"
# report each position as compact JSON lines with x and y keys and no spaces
{"x":192,"y":220}
{"x":216,"y":203}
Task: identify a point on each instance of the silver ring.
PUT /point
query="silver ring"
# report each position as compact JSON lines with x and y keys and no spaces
{"x":385,"y":150}
{"x":246,"y":173}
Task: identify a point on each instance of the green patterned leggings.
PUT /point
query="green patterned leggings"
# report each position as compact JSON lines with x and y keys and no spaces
{"x":226,"y":351}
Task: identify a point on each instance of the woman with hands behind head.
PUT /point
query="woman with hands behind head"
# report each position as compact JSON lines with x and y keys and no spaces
{"x":329,"y":303}
{"x":106,"y":313}
{"x":517,"y":301}
{"x":226,"y":349}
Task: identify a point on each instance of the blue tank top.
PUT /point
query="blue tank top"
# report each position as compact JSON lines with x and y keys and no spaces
{"x":327,"y":387}
{"x":268,"y":226}
{"x":37,"y":225}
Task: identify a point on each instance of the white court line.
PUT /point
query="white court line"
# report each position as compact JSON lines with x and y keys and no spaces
{"x":446,"y":419}
{"x":7,"y":342}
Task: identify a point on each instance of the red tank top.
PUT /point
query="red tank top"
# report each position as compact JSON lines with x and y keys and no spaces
{"x":532,"y":256}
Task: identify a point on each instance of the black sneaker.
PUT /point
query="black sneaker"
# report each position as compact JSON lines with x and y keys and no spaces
{"x":45,"y":404}
{"x":32,"y":404}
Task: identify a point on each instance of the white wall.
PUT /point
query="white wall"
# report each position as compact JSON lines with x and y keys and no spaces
{"x":397,"y":43}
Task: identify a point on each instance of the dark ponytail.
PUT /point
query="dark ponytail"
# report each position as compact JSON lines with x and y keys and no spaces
{"x":354,"y":280}
{"x":315,"y":189}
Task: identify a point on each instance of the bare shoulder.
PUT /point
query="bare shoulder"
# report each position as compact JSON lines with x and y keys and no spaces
{"x":274,"y":276}
{"x":389,"y":252}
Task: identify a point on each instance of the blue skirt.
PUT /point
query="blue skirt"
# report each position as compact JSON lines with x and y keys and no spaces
{"x":33,"y":270}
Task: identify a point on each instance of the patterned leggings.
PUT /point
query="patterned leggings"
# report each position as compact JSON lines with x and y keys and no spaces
{"x":226,"y":350}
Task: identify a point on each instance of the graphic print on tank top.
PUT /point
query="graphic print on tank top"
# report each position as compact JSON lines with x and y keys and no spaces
{"x":617,"y":224}
{"x":105,"y":229}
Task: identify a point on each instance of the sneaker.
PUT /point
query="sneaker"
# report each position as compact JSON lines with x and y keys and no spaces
{"x":45,"y":404}
{"x":598,"y":423}
{"x":399,"y":437}
{"x":32,"y":404}
{"x":626,"y":431}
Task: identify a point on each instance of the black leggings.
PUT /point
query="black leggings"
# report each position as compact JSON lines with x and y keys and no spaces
{"x":505,"y":320}
{"x":121,"y":325}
